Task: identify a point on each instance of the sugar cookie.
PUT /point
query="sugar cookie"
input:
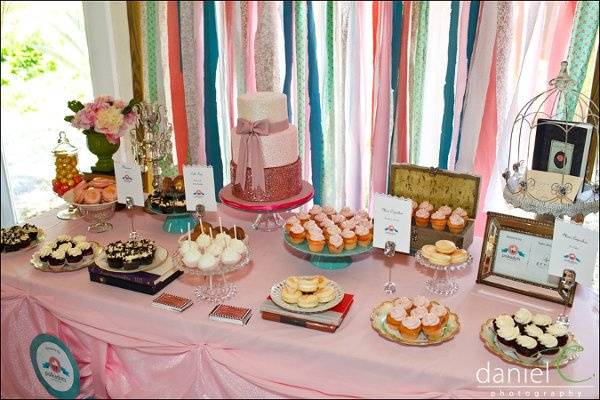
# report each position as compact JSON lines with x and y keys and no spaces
{"x":459,"y":256}
{"x":325,"y":294}
{"x":445,"y":246}
{"x":290,"y":296}
{"x":308,"y":301}
{"x":428,"y":250}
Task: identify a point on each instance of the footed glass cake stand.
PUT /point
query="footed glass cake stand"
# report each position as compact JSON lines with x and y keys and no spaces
{"x":442,"y":283}
{"x":268,"y":218}
{"x":215,"y":287}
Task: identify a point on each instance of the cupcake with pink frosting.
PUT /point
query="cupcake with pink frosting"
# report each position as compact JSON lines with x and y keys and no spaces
{"x":446,"y":210}
{"x":438,"y":220}
{"x":456,"y":224}
{"x":422,"y":217}
{"x":335,"y":244}
{"x":427,"y":206}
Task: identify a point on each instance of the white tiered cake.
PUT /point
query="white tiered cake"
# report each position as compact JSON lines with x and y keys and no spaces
{"x":267,"y":144}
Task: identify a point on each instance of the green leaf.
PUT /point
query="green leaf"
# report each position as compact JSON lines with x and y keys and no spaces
{"x":69,"y":118}
{"x":129,"y":107}
{"x":75,"y":105}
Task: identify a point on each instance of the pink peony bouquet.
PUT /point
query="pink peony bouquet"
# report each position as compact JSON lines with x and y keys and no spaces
{"x":105,"y":115}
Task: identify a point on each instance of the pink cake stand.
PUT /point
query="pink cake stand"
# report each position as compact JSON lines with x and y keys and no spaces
{"x":268,"y":218}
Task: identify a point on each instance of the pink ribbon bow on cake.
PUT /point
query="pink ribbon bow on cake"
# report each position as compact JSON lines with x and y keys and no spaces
{"x":250,"y":153}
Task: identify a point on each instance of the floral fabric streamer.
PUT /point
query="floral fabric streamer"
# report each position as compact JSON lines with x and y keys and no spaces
{"x":330,"y":193}
{"x":584,"y":32}
{"x":266,"y":56}
{"x":420,"y":60}
{"x":300,"y":24}
{"x":288,"y":26}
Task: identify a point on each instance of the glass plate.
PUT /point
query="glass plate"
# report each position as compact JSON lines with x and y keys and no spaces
{"x":378,"y":322}
{"x":276,"y":297}
{"x":35,"y":243}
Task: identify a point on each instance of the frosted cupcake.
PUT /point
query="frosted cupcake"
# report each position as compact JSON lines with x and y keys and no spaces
{"x":316,"y":209}
{"x":410,"y":327}
{"x":438,"y":221}
{"x":338,"y":219}
{"x":297,"y":234}
{"x":316,"y":241}
{"x":350,"y":239}
{"x":548,"y":344}
{"x":425,"y":205}
{"x":335,"y":244}
{"x":421,"y":301}
{"x":507,"y":336}
{"x":460,"y":212}
{"x":560,"y":332}
{"x":456,"y":224}
{"x":404,"y":302}
{"x":422,"y":217}
{"x":329,"y":211}
{"x":419,"y":312}
{"x":347,"y":212}
{"x":522,"y":318}
{"x":415,"y":206}
{"x":395,"y":316}
{"x":290,"y":222}
{"x":364,"y":236}
{"x":348,"y":224}
{"x":308,"y":225}
{"x":534,"y":331}
{"x":445,"y":210}
{"x":432,"y":326}
{"x":303,"y":217}
{"x":542,"y":320}
{"x":441,"y":312}
{"x":527,"y":348}
{"x":503,"y":320}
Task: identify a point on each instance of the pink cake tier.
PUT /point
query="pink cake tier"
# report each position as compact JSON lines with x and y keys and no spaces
{"x":280,"y":183}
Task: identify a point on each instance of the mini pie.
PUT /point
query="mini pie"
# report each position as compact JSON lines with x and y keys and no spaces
{"x":325,"y":295}
{"x":291,"y":283}
{"x":440,"y":259}
{"x":290,"y":295}
{"x":308,"y":301}
{"x":308,"y":285}
{"x":459,"y":256}
{"x":428,"y":250}
{"x":445,"y":246}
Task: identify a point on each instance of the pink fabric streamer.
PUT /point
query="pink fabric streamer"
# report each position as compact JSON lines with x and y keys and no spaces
{"x":199,"y":55}
{"x":380,"y":136}
{"x":252,"y":22}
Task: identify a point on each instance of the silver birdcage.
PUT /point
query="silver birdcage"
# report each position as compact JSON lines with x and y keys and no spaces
{"x":546,"y":183}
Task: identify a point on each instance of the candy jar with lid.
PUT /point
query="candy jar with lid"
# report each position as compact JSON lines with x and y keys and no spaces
{"x":67,"y":174}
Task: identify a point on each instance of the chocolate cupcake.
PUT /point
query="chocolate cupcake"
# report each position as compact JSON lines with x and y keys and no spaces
{"x":533,"y":330}
{"x":131,"y":262}
{"x":542,"y":320}
{"x":507,"y":336}
{"x":24,"y":241}
{"x":560,"y":332}
{"x":44,"y":254}
{"x":166,"y":207}
{"x":86,"y":249}
{"x":548,"y":344}
{"x":114,"y":259}
{"x":57,"y":258}
{"x":503,"y":320}
{"x":32,"y":231}
{"x":527,"y":348}
{"x":179,"y":206}
{"x":74,"y":255}
{"x":522,"y":318}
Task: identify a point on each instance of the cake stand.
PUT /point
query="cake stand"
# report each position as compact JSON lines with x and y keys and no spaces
{"x":268,"y":218}
{"x":442,"y":283}
{"x":213,"y":289}
{"x":174,"y":222}
{"x":325,"y":259}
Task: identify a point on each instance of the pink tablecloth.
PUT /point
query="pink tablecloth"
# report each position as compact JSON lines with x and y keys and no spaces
{"x":126,"y":348}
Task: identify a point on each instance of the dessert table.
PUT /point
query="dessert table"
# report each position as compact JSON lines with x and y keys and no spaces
{"x":126,"y":348}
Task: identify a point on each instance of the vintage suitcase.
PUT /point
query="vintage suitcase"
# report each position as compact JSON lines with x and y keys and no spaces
{"x":439,"y":187}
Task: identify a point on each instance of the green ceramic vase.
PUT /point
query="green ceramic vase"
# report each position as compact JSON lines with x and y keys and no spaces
{"x":104,"y":150}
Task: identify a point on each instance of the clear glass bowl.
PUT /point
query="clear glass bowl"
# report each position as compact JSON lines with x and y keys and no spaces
{"x":98,"y":215}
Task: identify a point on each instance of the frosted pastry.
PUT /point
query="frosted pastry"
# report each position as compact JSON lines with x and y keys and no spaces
{"x":204,"y":241}
{"x":290,"y":295}
{"x":325,"y":294}
{"x":190,"y":259}
{"x":421,"y":301}
{"x":238,"y":246}
{"x":215,"y":249}
{"x":445,"y":246}
{"x":308,"y":285}
{"x":308,"y":301}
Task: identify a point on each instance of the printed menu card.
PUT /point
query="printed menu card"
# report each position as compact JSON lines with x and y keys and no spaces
{"x":129,"y":183}
{"x":199,"y":187}
{"x":574,"y":247}
{"x":392,"y":216}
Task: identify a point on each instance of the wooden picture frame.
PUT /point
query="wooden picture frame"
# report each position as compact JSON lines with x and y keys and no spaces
{"x":515,"y":256}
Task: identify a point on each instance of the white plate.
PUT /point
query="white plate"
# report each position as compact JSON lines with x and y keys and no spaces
{"x":276,"y":297}
{"x":160,"y":256}
{"x":67,"y":267}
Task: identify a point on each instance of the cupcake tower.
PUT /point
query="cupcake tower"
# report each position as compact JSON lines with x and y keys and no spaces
{"x":65,"y":250}
{"x":411,"y":317}
{"x":18,"y":237}
{"x":529,"y":335}
{"x":443,"y":217}
{"x":324,"y":226}
{"x":208,"y":249}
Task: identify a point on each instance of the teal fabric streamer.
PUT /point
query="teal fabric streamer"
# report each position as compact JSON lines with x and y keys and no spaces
{"x":316,"y":131}
{"x":288,"y":41}
{"x":211,"y":125}
{"x":448,"y":118}
{"x":396,"y":44}
{"x":473,"y":19}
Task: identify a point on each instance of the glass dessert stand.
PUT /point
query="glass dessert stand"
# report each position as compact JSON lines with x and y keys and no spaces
{"x":98,"y":215}
{"x":174,"y":222}
{"x":268,"y":218}
{"x":442,"y":284}
{"x":215,"y":287}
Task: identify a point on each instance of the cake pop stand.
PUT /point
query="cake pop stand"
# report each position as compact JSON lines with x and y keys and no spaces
{"x":213,"y":289}
{"x":325,"y":259}
{"x":442,"y":283}
{"x":268,"y":218}
{"x":175,"y":222}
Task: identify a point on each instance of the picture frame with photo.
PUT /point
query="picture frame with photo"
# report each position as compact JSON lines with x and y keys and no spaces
{"x":516,"y":256}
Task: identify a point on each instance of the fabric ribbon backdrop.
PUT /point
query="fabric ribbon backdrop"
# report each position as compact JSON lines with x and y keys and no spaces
{"x":368,"y":84}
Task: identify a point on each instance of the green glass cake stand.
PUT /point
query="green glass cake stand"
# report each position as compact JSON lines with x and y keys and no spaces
{"x":175,"y":222}
{"x":325,"y":259}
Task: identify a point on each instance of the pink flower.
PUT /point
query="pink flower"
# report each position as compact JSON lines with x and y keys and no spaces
{"x":119,"y":104}
{"x":84,"y":119}
{"x":131,"y":119}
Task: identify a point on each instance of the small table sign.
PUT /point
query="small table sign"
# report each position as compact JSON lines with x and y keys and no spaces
{"x":199,"y":187}
{"x":392,"y":217}
{"x":129,"y":183}
{"x":574,"y":247}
